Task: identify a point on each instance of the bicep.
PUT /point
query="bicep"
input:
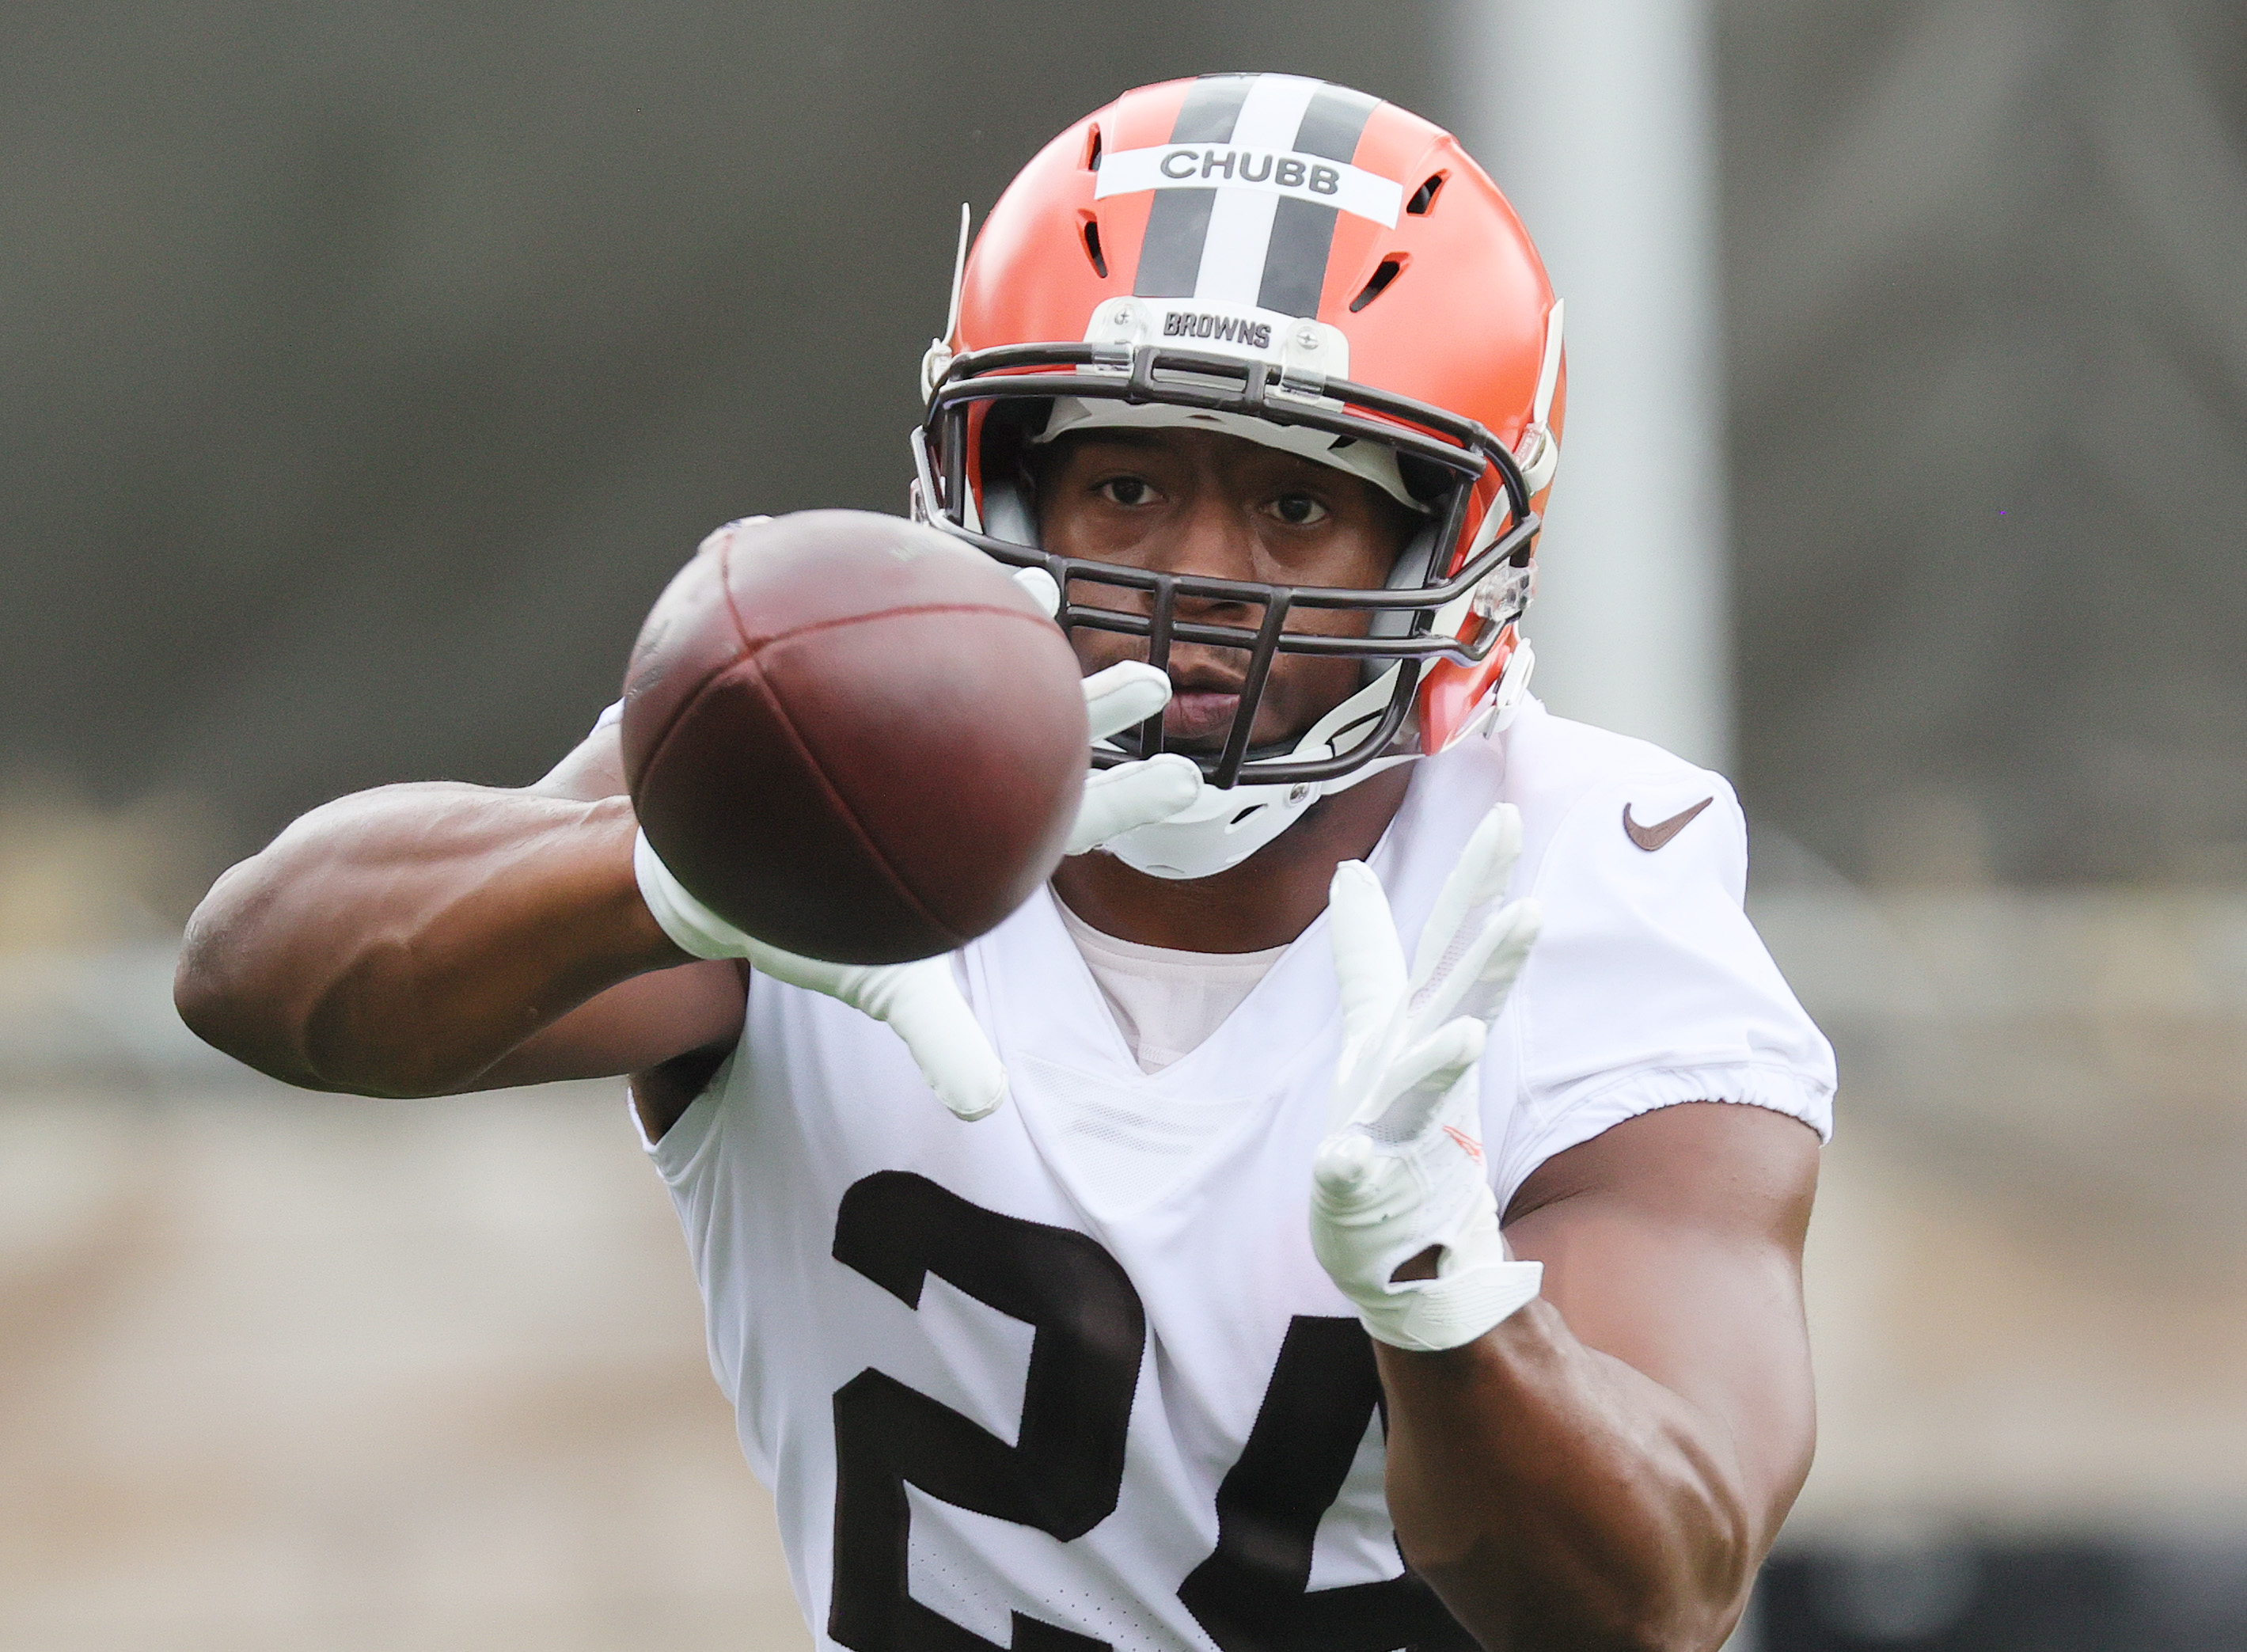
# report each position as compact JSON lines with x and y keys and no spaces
{"x":634,"y":1026}
{"x":1673,"y":1243}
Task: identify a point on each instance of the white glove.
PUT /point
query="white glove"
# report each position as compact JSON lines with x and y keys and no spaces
{"x":1403,"y":1168}
{"x":1129,"y":796}
{"x":921,"y":1001}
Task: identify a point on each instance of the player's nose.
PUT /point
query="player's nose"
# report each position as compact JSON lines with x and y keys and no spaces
{"x":1211,"y":538}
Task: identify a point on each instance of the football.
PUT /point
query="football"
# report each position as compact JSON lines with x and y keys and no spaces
{"x":852,"y":737}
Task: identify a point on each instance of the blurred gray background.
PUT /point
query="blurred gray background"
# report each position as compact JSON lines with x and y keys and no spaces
{"x":364,"y":371}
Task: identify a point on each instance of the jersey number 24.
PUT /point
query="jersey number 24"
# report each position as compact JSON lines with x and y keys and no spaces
{"x":1064,"y":1473}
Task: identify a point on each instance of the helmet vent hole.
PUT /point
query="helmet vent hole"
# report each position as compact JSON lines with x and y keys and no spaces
{"x":1384,"y":273}
{"x":1424,"y":198}
{"x":1092,"y":152}
{"x":1092,"y":248}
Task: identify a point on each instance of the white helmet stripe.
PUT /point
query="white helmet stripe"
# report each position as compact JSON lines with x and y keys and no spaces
{"x":1549,"y":369}
{"x":1232,"y":252}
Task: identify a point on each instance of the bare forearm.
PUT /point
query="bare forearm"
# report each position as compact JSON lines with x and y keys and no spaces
{"x":1555,"y":1496}
{"x":403,"y":940}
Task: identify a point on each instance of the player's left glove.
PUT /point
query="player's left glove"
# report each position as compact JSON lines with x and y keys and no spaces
{"x":1402,"y":1169}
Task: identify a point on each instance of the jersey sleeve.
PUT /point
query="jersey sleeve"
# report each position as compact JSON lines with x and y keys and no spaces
{"x":691,"y":1158}
{"x":1649,"y":987}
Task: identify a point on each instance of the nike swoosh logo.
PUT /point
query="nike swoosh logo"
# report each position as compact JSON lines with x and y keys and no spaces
{"x":1650,"y":838}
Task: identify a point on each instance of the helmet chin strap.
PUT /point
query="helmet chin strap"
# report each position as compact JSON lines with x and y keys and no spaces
{"x":1219,"y":830}
{"x":1222,"y":828}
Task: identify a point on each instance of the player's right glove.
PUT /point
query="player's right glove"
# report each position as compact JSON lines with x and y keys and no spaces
{"x":1130,"y":795}
{"x":921,"y":1001}
{"x":1403,"y":1171}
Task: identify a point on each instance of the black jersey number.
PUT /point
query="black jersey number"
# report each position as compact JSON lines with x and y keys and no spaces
{"x":1254,"y":1594}
{"x":1063,"y":1475}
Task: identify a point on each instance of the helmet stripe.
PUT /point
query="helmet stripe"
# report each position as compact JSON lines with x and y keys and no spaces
{"x":1212,"y":104}
{"x":1178,"y":223}
{"x":1170,"y":253}
{"x":1333,"y":123}
{"x":1302,"y":231}
{"x":1239,"y":235}
{"x":1294,"y":269}
{"x":1250,"y":241}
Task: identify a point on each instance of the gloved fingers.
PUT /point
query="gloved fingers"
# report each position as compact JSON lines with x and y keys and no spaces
{"x":1424,"y":1079}
{"x":1132,"y":794}
{"x":1042,"y":589}
{"x":1485,"y":969}
{"x":924,"y":1006}
{"x":1479,"y":877}
{"x":1124,"y":694}
{"x":1501,"y":849}
{"x":1341,"y":1165}
{"x":1517,"y":928}
{"x":1457,"y":1115}
{"x":1368,"y":958}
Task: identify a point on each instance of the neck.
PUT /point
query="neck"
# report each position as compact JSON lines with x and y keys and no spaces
{"x":1266,"y":901}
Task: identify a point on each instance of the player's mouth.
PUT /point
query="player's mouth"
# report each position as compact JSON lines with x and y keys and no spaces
{"x":1198,"y":714}
{"x":1202,"y":707}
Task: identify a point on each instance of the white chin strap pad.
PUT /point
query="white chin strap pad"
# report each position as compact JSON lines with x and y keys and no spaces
{"x":1220,"y":829}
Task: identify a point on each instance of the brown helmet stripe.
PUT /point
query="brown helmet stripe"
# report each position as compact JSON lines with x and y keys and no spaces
{"x":1302,"y":231}
{"x":1333,"y":123}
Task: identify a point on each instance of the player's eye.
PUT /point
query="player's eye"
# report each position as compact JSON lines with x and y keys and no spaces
{"x":1299,"y":510}
{"x":1126,"y":490}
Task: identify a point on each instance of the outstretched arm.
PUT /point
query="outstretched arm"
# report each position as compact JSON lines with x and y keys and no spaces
{"x":1608,"y":1466}
{"x":418,"y":940}
{"x":421,"y":940}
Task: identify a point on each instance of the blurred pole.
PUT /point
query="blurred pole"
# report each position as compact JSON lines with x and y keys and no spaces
{"x":1596,"y":118}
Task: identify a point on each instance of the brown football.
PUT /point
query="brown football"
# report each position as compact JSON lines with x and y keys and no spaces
{"x":853,"y":737}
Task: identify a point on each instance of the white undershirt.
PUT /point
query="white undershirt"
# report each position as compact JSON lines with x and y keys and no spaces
{"x":1165,"y":1003}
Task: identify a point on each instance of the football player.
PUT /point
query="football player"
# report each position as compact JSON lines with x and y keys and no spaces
{"x":1367,"y":1203}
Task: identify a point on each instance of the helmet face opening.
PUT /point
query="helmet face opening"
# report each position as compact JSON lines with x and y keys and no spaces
{"x":1284,"y":259}
{"x":957,"y":457}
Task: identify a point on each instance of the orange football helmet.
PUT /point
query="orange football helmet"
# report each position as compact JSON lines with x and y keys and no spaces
{"x":1306,"y":265}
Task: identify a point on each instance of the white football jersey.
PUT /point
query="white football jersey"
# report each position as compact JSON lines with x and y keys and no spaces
{"x":1069,"y":1376}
